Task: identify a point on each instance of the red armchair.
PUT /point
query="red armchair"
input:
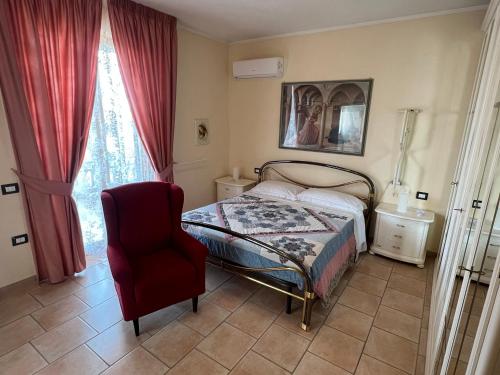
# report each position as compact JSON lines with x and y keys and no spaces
{"x":154,"y":262}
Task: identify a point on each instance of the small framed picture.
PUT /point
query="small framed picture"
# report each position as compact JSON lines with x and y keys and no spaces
{"x":325,"y":116}
{"x":201,"y":132}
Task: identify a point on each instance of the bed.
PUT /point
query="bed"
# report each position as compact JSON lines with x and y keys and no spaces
{"x":294,"y":245}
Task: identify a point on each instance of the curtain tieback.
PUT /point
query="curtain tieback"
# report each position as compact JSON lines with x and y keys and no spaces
{"x":46,"y":186}
{"x":164,"y":173}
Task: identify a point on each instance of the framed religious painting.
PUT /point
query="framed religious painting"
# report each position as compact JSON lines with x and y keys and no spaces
{"x":325,"y":116}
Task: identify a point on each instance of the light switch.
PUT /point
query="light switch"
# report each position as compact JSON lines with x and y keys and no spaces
{"x":19,"y":240}
{"x":10,"y":188}
{"x":422,"y":195}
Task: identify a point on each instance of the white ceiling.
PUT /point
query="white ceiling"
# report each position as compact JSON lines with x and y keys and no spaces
{"x":236,"y":20}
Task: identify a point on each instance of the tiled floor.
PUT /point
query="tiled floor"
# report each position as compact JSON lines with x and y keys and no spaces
{"x":376,"y":326}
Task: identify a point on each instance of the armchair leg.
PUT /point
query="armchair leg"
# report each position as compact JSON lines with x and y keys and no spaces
{"x":195,"y":304}
{"x":136,"y":326}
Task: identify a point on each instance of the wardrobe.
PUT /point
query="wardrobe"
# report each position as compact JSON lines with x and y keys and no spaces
{"x":464,"y":325}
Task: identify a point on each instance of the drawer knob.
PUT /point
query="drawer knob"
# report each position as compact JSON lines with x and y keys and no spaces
{"x":401,"y":225}
{"x":396,"y":247}
{"x":398,"y":236}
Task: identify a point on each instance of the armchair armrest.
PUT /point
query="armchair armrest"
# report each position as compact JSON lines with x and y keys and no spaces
{"x":191,"y":247}
{"x":119,"y":265}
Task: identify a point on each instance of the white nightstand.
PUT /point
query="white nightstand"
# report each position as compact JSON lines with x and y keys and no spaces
{"x":229,"y":188}
{"x":401,"y":235}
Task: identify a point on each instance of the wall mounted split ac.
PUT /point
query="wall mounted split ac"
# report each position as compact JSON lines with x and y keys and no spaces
{"x":271,"y":67}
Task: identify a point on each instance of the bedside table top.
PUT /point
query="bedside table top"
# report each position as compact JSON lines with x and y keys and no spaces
{"x":410,"y":214}
{"x":228,"y":180}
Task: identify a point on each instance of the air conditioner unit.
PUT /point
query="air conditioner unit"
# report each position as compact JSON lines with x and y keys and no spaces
{"x":258,"y":68}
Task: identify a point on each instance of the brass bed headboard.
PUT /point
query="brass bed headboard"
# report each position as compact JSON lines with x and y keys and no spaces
{"x":362,"y":179}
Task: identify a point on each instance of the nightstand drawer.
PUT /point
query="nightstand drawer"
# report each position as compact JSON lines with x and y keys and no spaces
{"x":228,"y":188}
{"x":228,"y":191}
{"x":400,"y":236}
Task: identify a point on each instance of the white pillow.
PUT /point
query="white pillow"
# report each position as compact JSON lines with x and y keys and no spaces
{"x":278,"y":189}
{"x":332,"y":199}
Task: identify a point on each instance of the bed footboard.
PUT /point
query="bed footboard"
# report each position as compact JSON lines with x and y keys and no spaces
{"x":307,"y":296}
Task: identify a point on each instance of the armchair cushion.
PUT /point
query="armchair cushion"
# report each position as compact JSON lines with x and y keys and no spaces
{"x":165,"y":272}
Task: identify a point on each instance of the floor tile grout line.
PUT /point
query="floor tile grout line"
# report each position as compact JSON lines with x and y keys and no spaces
{"x":25,"y":314}
{"x":20,"y":318}
{"x":317,"y":332}
{"x":124,"y":355}
{"x":252,"y":336}
{"x":364,"y":291}
{"x":220,"y":324}
{"x":185,"y":325}
{"x":428,"y":284}
{"x":71,"y":351}
{"x":147,"y":351}
{"x":65,"y":321}
{"x":423,"y":307}
{"x":371,"y":326}
{"x":41,"y":355}
{"x":97,"y":354}
{"x":58,"y":299}
{"x":257,"y":340}
{"x":387,"y":364}
{"x":65,"y":354}
{"x":274,"y":322}
{"x":100,"y":303}
{"x":327,"y":360}
{"x":364,"y":342}
{"x":26,"y":342}
{"x":206,"y":355}
{"x":267,"y":329}
{"x":372,"y":275}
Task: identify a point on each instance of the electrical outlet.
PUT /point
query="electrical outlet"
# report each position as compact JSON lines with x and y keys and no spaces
{"x":10,"y":188}
{"x":422,"y":195}
{"x":20,"y":239}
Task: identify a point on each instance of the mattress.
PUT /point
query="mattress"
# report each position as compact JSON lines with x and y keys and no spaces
{"x":323,"y":240}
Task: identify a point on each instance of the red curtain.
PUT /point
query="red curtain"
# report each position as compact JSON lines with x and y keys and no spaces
{"x":146,"y":45}
{"x":47,"y":75}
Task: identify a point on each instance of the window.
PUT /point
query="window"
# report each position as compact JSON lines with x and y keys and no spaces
{"x":114,"y":154}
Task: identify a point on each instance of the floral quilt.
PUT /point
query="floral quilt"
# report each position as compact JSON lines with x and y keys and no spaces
{"x":322,"y":240}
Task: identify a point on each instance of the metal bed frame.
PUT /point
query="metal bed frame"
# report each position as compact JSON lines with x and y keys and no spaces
{"x":260,"y":275}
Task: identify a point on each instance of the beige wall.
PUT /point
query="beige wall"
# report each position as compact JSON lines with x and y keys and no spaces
{"x":16,"y":263}
{"x":201,"y":93}
{"x":426,"y":63}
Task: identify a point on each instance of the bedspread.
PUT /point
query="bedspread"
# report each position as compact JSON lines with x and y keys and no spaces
{"x":322,"y":240}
